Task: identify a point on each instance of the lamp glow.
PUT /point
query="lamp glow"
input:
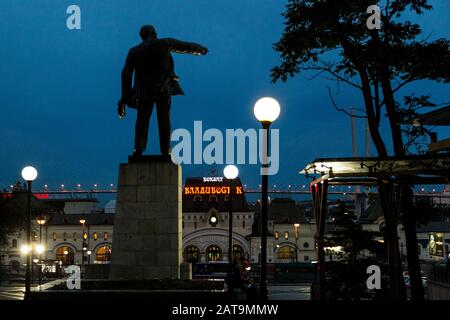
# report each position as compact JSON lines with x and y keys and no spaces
{"x":40,"y":249}
{"x":266,"y":109}
{"x":24,"y":249}
{"x":29,"y":173}
{"x":230,"y":171}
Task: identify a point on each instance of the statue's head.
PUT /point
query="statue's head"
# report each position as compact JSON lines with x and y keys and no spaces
{"x":148,"y":32}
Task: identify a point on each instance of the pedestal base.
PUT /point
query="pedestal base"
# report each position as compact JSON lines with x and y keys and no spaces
{"x":147,"y":240}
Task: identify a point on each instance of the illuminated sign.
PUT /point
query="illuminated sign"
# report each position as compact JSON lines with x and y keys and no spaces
{"x":211,"y":190}
{"x":212,"y":179}
{"x":9,"y":195}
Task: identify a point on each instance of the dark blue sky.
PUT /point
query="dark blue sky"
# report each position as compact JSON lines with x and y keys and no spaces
{"x":59,"y":88}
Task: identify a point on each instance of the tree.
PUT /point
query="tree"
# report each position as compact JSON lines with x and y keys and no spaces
{"x":13,"y":212}
{"x":346,"y":277}
{"x":332,"y":38}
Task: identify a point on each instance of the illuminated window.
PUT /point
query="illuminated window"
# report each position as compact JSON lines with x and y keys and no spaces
{"x":286,"y":235}
{"x":277,"y":235}
{"x":286,"y":252}
{"x":74,"y":236}
{"x":105,"y":236}
{"x":34,"y":236}
{"x":238,"y":253}
{"x":191,"y":254}
{"x":54,"y":236}
{"x":85,"y":235}
{"x":213,"y":253}
{"x":104,"y":254}
{"x":95,"y":235}
{"x":65,"y":254}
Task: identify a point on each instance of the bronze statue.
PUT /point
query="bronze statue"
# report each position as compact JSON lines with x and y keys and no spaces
{"x":155,"y":82}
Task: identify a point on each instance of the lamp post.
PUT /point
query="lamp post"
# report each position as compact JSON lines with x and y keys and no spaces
{"x":296,"y":226}
{"x":89,"y":252}
{"x":41,"y":221}
{"x":266,"y":111}
{"x":29,"y":174}
{"x":230,"y":172}
{"x":82,"y":221}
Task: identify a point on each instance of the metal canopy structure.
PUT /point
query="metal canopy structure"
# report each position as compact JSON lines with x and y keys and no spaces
{"x":422,"y":166}
{"x":440,"y":117}
{"x":389,"y":171}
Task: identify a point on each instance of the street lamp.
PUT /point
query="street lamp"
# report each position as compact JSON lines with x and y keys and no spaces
{"x":82,"y":221}
{"x":230,"y":172}
{"x":296,"y":226}
{"x":266,"y":111}
{"x":89,"y":252}
{"x":29,"y":174}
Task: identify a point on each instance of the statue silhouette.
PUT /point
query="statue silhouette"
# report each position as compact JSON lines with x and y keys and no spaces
{"x":155,"y":82}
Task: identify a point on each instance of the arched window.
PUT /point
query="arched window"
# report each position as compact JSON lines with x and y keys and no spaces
{"x":277,"y":235}
{"x":65,"y":254}
{"x":213,"y":253}
{"x":286,"y":235}
{"x":95,"y":235}
{"x":74,"y":236}
{"x":105,"y":236}
{"x":15,"y":265}
{"x":104,"y":254}
{"x":238,"y":252}
{"x":191,"y":254}
{"x":14,"y":243}
{"x":54,"y":236}
{"x":65,"y":236}
{"x":34,"y":236}
{"x":286,"y":252}
{"x":85,"y":235}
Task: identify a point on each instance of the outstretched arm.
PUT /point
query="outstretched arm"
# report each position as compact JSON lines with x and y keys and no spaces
{"x":178,"y":46}
{"x":127,"y":81}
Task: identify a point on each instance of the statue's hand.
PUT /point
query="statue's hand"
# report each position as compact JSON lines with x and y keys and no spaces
{"x":121,"y":109}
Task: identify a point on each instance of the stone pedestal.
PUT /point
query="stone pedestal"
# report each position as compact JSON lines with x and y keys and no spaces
{"x":147,"y":240}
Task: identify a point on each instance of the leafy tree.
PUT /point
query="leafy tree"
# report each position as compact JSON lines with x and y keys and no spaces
{"x":14,"y":214}
{"x":346,"y":277}
{"x":331,"y":37}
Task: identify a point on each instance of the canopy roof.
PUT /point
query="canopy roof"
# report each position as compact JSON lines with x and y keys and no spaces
{"x":416,"y":169}
{"x":440,"y":117}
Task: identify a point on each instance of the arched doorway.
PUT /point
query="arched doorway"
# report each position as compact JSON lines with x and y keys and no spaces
{"x":286,"y":253}
{"x":103,"y":254}
{"x":191,"y":254}
{"x":213,"y":253}
{"x":66,"y":255}
{"x":238,"y":252}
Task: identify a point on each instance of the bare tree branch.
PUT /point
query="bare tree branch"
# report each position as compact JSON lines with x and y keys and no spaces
{"x":341,"y":109}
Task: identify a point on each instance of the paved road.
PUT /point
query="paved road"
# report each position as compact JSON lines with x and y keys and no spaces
{"x":279,"y":292}
{"x":290,"y":292}
{"x":12,"y":292}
